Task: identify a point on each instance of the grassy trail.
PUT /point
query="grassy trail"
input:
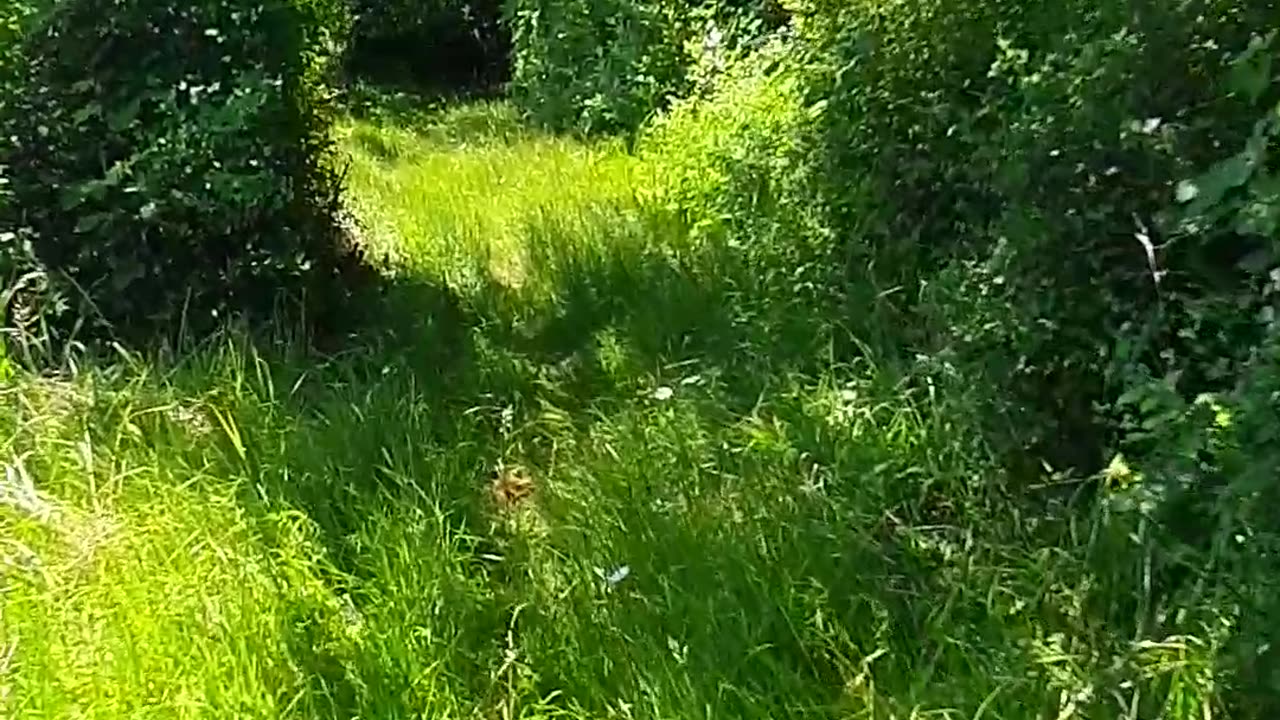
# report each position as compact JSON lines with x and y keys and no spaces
{"x":586,"y":465}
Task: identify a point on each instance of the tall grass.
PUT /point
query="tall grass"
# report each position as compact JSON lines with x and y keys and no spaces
{"x":456,"y":191}
{"x":588,"y":466}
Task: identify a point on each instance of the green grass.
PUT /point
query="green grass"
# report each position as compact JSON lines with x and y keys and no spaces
{"x":249,"y":531}
{"x":457,"y":193}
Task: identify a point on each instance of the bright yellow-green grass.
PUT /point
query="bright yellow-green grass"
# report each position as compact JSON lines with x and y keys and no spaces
{"x":456,"y":192}
{"x":578,"y":466}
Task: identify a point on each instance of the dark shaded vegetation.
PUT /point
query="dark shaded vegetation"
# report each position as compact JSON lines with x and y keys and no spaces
{"x":170,"y":166}
{"x":1044,"y":148}
{"x":440,"y":46}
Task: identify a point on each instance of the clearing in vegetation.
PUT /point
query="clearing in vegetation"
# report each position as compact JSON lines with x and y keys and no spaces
{"x":652,"y":359}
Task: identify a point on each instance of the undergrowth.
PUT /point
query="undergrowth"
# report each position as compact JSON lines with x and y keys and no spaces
{"x":597,"y":459}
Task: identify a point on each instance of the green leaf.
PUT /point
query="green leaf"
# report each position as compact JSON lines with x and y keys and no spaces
{"x":1250,"y":72}
{"x":124,"y":117}
{"x":71,"y":197}
{"x":89,"y":223}
{"x":1209,"y":189}
{"x":86,"y":112}
{"x":1259,"y":218}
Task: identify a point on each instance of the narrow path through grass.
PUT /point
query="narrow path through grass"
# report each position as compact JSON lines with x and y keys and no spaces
{"x":587,"y":467}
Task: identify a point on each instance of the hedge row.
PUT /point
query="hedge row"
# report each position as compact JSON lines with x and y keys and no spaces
{"x":1066,"y":218}
{"x":608,"y":65}
{"x":170,"y":163}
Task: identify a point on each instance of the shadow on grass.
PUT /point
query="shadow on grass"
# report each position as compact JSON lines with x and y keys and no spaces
{"x":389,"y":442}
{"x":751,"y":594}
{"x":620,"y":317}
{"x":392,"y":443}
{"x":782,"y":563}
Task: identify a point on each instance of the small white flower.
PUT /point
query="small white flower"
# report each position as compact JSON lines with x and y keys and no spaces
{"x":618,"y":575}
{"x":1150,"y":125}
{"x":713,"y":40}
{"x":1187,"y":191}
{"x":663,"y":394}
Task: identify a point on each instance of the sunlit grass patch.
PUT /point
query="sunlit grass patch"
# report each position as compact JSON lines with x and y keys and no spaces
{"x":137,"y":584}
{"x":456,"y":195}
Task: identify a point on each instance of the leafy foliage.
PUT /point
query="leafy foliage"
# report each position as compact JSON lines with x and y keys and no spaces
{"x":732,"y":163}
{"x":21,"y":279}
{"x":12,"y":18}
{"x":1044,"y":145}
{"x":608,"y":66}
{"x":174,"y":162}
{"x":1066,"y":218}
{"x":598,"y":66}
{"x":945,"y":336}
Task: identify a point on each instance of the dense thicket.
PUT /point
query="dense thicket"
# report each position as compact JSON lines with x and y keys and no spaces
{"x":172,"y":161}
{"x":1079,"y":201}
{"x":970,"y":142}
{"x":14,"y":257}
{"x":13,"y":17}
{"x":433,"y":44}
{"x":606,"y":66}
{"x":1068,"y":216}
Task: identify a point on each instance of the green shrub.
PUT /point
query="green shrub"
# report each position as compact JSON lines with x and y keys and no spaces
{"x":596,"y":66}
{"x":1067,"y":217}
{"x":732,"y":162}
{"x":15,"y":256}
{"x":606,"y":66}
{"x":12,"y":18}
{"x":173,"y":161}
{"x":1074,"y":208}
{"x":1042,"y":145}
{"x":721,"y":154}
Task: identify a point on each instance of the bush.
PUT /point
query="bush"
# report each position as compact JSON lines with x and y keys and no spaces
{"x":437,"y":43}
{"x":173,"y":161}
{"x":596,"y":66}
{"x":12,"y":18}
{"x":720,"y":155}
{"x":606,"y":66}
{"x":1075,"y":205}
{"x":1043,"y":147}
{"x":16,"y":259}
{"x":732,"y":163}
{"x":1071,"y":216}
